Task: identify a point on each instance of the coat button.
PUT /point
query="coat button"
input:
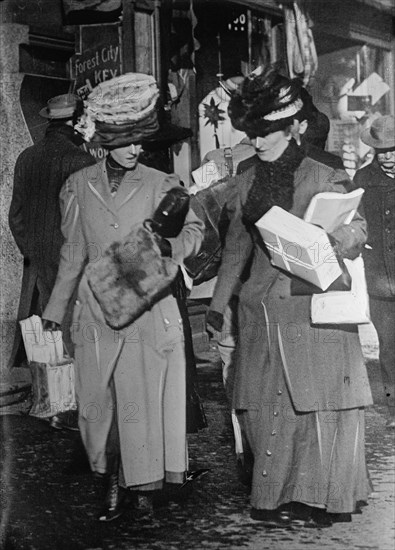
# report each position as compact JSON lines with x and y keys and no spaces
{"x":115,"y":225}
{"x":387,"y":212}
{"x":275,"y":413}
{"x":268,"y":453}
{"x":264,"y":473}
{"x":279,"y":392}
{"x":274,"y":432}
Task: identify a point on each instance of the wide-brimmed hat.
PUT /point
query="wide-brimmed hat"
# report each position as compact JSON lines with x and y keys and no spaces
{"x":267,"y":102}
{"x":121,"y":111}
{"x":60,"y":106}
{"x":381,"y":133}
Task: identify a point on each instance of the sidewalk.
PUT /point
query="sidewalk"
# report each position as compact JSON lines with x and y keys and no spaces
{"x":46,"y":509}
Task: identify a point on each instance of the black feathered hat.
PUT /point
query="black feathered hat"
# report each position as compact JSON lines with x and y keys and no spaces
{"x":267,"y":102}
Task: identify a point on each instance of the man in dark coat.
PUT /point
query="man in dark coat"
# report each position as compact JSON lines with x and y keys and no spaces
{"x":378,"y":180}
{"x":34,"y":216}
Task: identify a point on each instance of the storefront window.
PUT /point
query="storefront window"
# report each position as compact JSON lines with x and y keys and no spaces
{"x":233,"y":41}
{"x":350,"y":88}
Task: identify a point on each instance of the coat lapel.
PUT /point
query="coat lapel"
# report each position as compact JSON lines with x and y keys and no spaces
{"x":130,"y":184}
{"x":99,"y":186}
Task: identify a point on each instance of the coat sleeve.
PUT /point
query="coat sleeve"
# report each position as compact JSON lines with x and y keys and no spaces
{"x":73,"y":254}
{"x":15,"y":216}
{"x":188,"y":242}
{"x":236,"y":252}
{"x":350,"y":239}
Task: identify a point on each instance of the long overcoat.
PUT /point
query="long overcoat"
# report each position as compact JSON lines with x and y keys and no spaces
{"x":324,"y":365}
{"x":34,"y":216}
{"x":92,"y":220}
{"x":379,"y":210}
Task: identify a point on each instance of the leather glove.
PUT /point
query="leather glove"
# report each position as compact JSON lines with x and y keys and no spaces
{"x":215,"y":320}
{"x":50,"y":325}
{"x":164,"y":246}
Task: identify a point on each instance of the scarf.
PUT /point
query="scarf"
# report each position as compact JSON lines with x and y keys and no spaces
{"x":273,"y":184}
{"x":115,"y":173}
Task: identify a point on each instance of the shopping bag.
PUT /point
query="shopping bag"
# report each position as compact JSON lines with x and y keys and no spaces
{"x":53,"y":380}
{"x":344,"y":307}
{"x":53,"y":389}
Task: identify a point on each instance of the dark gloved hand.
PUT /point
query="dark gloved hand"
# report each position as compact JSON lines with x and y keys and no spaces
{"x":50,"y":325}
{"x":169,"y":217}
{"x":164,"y":246}
{"x":215,"y":321}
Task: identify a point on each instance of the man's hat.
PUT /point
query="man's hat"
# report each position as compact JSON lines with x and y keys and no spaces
{"x":381,"y":134}
{"x":60,"y":106}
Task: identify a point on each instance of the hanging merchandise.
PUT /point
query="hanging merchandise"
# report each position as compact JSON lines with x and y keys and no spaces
{"x":196,"y":43}
{"x":301,"y":52}
{"x":215,"y":128}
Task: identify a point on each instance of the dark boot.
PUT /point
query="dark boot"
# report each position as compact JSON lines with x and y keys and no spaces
{"x":114,"y":501}
{"x":271,"y":518}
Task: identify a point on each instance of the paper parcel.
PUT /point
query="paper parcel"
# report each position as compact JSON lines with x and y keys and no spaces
{"x":299,"y":247}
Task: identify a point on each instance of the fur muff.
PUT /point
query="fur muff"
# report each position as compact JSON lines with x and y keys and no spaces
{"x":130,"y":277}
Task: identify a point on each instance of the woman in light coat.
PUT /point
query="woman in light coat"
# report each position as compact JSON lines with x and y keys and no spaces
{"x":133,"y":427}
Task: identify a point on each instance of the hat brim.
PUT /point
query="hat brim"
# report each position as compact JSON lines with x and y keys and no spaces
{"x":46,"y":114}
{"x":167,"y":135}
{"x":367,"y":138}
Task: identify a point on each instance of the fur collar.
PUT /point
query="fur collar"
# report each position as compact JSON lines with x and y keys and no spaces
{"x":273,"y":184}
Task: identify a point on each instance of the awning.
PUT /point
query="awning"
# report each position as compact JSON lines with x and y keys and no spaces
{"x":260,"y":5}
{"x":382,"y":5}
{"x":100,"y":5}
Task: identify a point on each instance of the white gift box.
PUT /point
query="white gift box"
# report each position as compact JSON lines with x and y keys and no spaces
{"x":299,"y":247}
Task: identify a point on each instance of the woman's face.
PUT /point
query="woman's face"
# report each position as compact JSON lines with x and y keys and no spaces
{"x":127,"y":156}
{"x":272,"y":146}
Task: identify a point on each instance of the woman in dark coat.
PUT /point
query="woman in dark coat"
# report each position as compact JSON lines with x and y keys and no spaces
{"x":299,"y":389}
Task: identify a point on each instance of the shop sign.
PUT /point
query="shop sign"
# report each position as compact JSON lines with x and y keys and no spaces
{"x":98,"y":58}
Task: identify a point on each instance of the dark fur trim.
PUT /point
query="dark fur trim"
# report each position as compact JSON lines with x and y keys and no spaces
{"x":273,"y":184}
{"x":130,"y":277}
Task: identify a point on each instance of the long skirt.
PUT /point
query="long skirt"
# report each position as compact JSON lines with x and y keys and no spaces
{"x":317,"y":458}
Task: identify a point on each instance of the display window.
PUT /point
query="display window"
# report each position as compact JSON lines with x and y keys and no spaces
{"x":351,"y":86}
